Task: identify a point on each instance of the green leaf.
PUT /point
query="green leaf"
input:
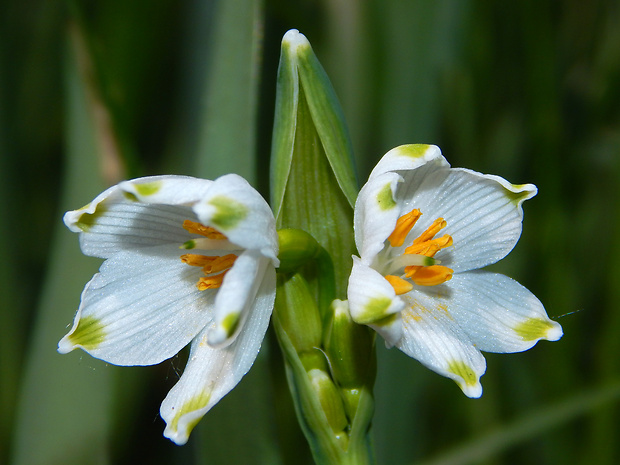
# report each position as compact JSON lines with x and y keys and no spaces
{"x":64,"y":410}
{"x":227,"y":139}
{"x":529,"y":426}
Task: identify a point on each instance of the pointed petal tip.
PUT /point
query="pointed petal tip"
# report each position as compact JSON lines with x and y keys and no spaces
{"x":555,"y":332}
{"x":175,"y":436}
{"x":218,"y":337}
{"x":390,"y":329}
{"x":473,"y":391}
{"x":65,"y":345}
{"x":466,"y":376}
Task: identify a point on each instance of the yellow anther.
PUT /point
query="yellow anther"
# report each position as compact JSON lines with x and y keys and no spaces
{"x":194,"y":259}
{"x":209,"y":264}
{"x":399,"y":284}
{"x":418,"y":272}
{"x":431,"y":275}
{"x":199,"y":228}
{"x":431,"y":247}
{"x":403,"y":226}
{"x":220,"y":263}
{"x":210,"y":282}
{"x":433,"y":229}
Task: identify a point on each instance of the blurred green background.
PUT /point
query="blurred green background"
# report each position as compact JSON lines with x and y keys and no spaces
{"x":92,"y":92}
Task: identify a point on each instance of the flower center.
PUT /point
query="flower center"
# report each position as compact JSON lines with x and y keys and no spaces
{"x":417,"y":261}
{"x":214,"y":267}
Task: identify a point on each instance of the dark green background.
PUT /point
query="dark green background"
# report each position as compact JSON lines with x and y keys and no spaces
{"x":528,"y":90}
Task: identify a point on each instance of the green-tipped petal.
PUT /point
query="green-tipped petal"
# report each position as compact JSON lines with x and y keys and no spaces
{"x":236,"y":296}
{"x":484,"y":222}
{"x":212,"y":372}
{"x":408,"y":158}
{"x":236,"y":209}
{"x":129,"y":311}
{"x":497,"y":313}
{"x":376,"y":212}
{"x":372,"y":300}
{"x":431,"y":336}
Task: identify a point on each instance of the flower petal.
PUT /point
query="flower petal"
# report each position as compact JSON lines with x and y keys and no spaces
{"x":236,"y":209}
{"x":167,"y":190}
{"x":235,"y":298}
{"x":140,"y":309}
{"x":211,"y":373}
{"x":499,"y":314}
{"x":411,"y":157}
{"x":139,"y":213}
{"x":483,"y":214}
{"x":372,"y":301}
{"x":432,"y":337}
{"x":376,"y":213}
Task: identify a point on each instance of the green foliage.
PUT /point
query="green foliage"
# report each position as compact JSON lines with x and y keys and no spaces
{"x":527,"y":90}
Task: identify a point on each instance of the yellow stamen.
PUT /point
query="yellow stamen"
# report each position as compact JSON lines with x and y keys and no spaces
{"x":209,"y":264}
{"x":433,"y":229}
{"x":210,"y":282}
{"x":430,"y":247}
{"x":423,"y":246}
{"x":220,"y":263}
{"x":431,"y":275}
{"x":403,"y":226}
{"x":399,"y":284}
{"x":199,"y":228}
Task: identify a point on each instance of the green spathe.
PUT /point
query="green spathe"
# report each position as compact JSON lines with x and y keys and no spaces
{"x":297,"y":248}
{"x":299,"y":68}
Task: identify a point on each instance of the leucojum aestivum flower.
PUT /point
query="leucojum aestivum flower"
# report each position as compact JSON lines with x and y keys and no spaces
{"x":424,"y":230}
{"x":186,"y":261}
{"x":193,"y":262}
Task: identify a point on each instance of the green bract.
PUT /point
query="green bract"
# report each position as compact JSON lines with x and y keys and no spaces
{"x":313,"y":191}
{"x":313,"y":184}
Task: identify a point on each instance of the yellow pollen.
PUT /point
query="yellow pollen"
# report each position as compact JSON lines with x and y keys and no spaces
{"x":199,"y":228}
{"x":210,"y":282}
{"x":399,"y":284}
{"x":403,"y":226}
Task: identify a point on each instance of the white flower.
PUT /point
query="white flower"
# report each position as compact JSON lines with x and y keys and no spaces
{"x":422,"y":289}
{"x":186,"y":260}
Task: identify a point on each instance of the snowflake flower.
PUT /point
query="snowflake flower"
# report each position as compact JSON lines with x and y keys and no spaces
{"x":186,"y":260}
{"x":424,"y":292}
